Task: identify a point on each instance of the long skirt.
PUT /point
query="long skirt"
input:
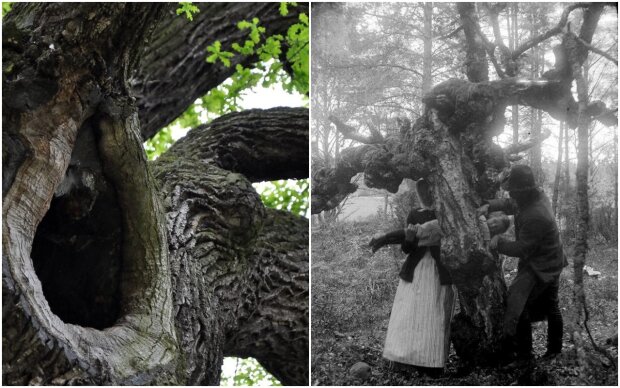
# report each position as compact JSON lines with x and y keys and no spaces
{"x":419,"y":328}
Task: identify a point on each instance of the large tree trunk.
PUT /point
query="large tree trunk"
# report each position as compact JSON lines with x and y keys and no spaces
{"x":451,"y":146}
{"x":90,"y":292}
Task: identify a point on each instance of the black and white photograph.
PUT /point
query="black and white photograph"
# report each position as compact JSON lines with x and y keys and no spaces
{"x":464,"y":194}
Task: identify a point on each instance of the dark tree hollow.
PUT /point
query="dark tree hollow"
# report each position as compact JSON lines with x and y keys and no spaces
{"x":76,"y":251}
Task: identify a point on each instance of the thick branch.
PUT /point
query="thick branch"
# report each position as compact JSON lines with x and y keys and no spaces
{"x":476,"y":62}
{"x":553,"y":31}
{"x":173,"y":72}
{"x":263,"y":145}
{"x":351,"y":133}
{"x":229,"y":267}
{"x":384,"y":166}
{"x":273,"y":322}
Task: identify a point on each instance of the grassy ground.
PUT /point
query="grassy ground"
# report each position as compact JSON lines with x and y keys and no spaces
{"x":352,"y":293}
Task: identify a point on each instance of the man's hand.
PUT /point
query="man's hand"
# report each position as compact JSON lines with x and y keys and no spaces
{"x":411,"y":232}
{"x":482,"y":210}
{"x":493,"y":242}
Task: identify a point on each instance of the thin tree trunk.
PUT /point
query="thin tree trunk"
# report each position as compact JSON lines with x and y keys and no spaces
{"x":427,"y":65}
{"x":513,"y":38}
{"x":576,"y":58}
{"x":616,"y":184}
{"x":558,"y":170}
{"x":535,"y":114}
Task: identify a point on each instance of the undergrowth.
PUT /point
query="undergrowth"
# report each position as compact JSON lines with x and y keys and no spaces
{"x":352,"y":294}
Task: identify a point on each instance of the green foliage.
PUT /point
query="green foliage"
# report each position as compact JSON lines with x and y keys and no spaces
{"x":291,"y":195}
{"x":270,"y":69}
{"x":188,"y":9}
{"x":216,"y":53}
{"x":159,"y":143}
{"x":6,"y":7}
{"x":248,"y":372}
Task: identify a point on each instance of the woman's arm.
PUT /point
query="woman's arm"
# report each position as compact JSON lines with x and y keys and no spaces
{"x":380,"y":240}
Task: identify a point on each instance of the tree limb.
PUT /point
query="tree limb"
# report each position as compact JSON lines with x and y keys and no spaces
{"x":351,"y":133}
{"x":240,"y":271}
{"x":598,"y":51}
{"x":173,"y":71}
{"x":553,"y":31}
{"x":263,"y":145}
{"x":531,"y":142}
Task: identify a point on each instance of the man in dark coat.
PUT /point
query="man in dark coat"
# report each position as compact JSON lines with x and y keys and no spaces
{"x":533,"y":295}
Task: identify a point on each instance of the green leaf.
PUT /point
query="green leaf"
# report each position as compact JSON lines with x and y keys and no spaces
{"x":283,"y":8}
{"x":248,"y":372}
{"x":188,"y":9}
{"x":6,"y":7}
{"x":291,"y":195}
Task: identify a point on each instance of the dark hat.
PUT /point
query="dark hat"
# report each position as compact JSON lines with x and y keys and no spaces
{"x":519,"y":178}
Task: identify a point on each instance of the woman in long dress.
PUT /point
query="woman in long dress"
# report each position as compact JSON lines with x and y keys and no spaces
{"x":419,"y":330}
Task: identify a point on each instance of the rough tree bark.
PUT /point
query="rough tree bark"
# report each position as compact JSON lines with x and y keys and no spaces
{"x":173,"y":72}
{"x":101,"y":283}
{"x":451,"y":146}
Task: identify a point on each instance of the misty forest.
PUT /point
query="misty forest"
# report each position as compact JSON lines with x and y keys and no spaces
{"x":457,"y":93}
{"x":121,"y":269}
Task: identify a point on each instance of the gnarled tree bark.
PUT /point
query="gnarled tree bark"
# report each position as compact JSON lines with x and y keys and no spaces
{"x":112,"y":275}
{"x":451,"y":146}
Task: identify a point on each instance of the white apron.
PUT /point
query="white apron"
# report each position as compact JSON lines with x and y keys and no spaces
{"x":419,"y":328}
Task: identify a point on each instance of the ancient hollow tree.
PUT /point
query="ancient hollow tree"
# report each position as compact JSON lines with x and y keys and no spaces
{"x":451,"y":146}
{"x":115,"y":271}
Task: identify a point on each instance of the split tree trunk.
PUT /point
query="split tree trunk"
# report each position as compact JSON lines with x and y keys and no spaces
{"x":90,"y":292}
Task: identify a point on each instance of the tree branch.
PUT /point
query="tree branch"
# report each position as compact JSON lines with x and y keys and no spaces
{"x":234,"y":264}
{"x":272,"y":329}
{"x":523,"y":146}
{"x":598,"y":51}
{"x":263,"y":145}
{"x":553,"y":31}
{"x":173,"y":72}
{"x":351,"y":133}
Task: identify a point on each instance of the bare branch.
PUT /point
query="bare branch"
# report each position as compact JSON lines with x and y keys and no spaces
{"x":554,"y":31}
{"x":520,"y":147}
{"x":351,"y":133}
{"x":598,"y":51}
{"x":451,"y":34}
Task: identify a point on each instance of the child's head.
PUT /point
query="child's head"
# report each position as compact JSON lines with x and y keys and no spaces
{"x":498,"y":222}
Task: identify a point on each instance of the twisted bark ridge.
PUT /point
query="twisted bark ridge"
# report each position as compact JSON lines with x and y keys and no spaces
{"x":111,"y":275}
{"x":240,"y":273}
{"x":451,"y":146}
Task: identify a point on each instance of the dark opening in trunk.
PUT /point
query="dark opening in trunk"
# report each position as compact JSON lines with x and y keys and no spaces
{"x":77,"y":247}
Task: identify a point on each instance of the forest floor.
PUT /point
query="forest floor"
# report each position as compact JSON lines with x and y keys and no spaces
{"x":352,"y":293}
